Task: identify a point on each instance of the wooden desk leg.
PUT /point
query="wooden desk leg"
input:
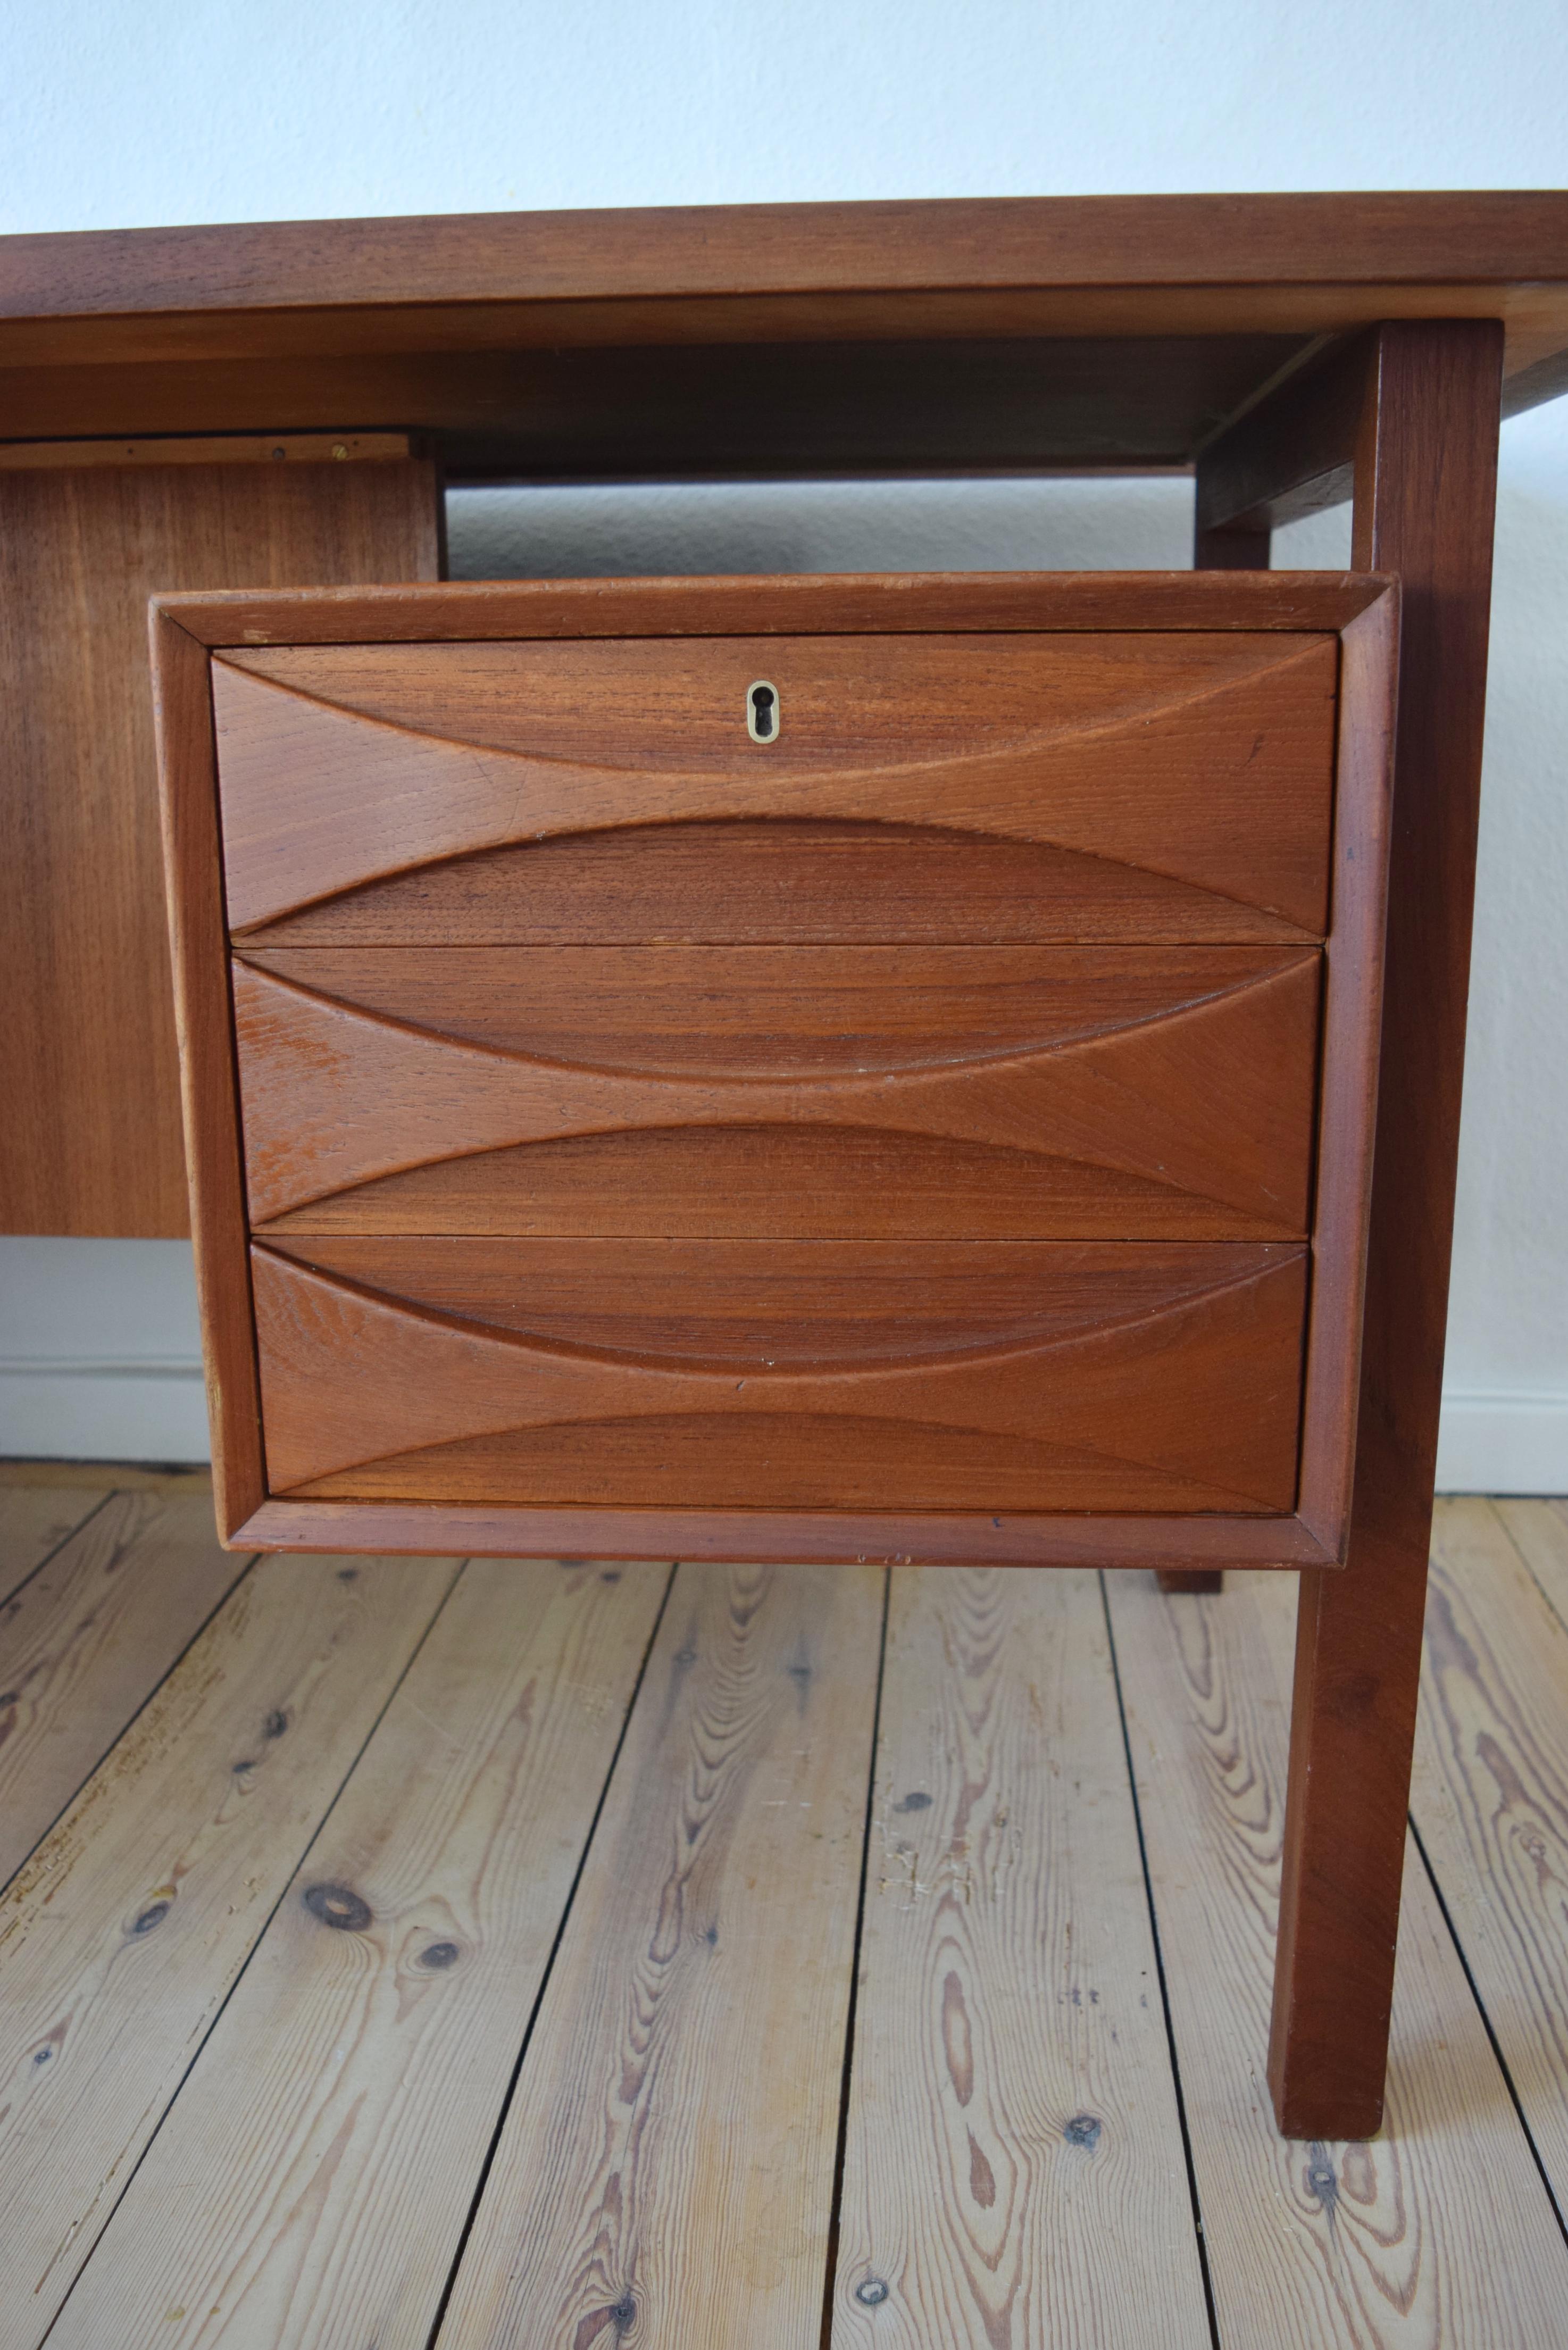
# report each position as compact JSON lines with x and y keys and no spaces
{"x":1425,"y":470}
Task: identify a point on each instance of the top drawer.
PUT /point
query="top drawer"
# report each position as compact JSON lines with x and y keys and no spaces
{"x":1160,"y":786}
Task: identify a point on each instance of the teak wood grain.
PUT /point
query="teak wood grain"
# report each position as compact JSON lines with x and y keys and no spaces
{"x":1205,"y":760}
{"x":1426,"y":482}
{"x":775,"y":1011}
{"x":316,"y":2170}
{"x":192,"y":873}
{"x":829,"y":1307}
{"x":834,"y":407}
{"x":643,"y":704}
{"x":440,"y":321}
{"x":1197,"y":1122}
{"x":842,"y":1537}
{"x":156,"y":283}
{"x":1011,"y":2105}
{"x":121,"y":1938}
{"x":354,"y":1382}
{"x":214,"y":449}
{"x":1436,"y":2231}
{"x":1289,"y":455}
{"x":389,"y":320}
{"x":868,"y":603}
{"x":1351,"y":1049}
{"x":905,"y":402}
{"x":90,"y":1140}
{"x":697,"y":2009}
{"x":772,"y":882}
{"x":1189,"y":1124}
{"x":765,"y":1182}
{"x":83,"y":1643}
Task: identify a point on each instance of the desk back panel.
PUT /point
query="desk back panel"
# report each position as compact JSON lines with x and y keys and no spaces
{"x":90,"y":1138}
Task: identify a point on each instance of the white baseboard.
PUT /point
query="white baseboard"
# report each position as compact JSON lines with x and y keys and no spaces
{"x":1504,"y":1444}
{"x":125,"y":1410}
{"x":156,"y":1409}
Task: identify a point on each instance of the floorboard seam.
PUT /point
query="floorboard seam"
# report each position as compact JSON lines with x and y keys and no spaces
{"x":261,"y":1935}
{"x":69,"y":1536}
{"x":488,"y":2164}
{"x":840,"y":2150}
{"x":1506,"y":1531}
{"x":1160,"y":1970}
{"x":1487,"y":2026}
{"x":173,"y":1665}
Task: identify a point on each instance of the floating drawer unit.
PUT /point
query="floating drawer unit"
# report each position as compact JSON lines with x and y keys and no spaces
{"x":784,"y":1068}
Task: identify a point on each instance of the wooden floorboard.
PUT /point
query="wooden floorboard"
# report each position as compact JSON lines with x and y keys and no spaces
{"x":88,"y":1638}
{"x":34,"y":1520}
{"x":311,"y":2182}
{"x":121,"y":1938}
{"x":665,"y":2174}
{"x":1538,"y":1531}
{"x":1439,"y":2232}
{"x":100,"y":1477}
{"x":272,"y":2113}
{"x":1013,"y":2167}
{"x":1490,"y":1801}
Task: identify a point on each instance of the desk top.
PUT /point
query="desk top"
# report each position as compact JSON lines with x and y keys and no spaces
{"x":1073,"y":330}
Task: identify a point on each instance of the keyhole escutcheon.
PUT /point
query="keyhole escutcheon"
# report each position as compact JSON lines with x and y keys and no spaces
{"x":763,"y":712}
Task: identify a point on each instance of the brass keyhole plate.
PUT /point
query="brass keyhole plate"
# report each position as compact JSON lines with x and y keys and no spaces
{"x":764,"y":715}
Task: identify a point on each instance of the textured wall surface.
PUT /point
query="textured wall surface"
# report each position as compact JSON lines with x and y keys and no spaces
{"x":457,"y":105}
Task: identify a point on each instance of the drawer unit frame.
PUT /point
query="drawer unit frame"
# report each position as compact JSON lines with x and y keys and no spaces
{"x":1361,"y":611}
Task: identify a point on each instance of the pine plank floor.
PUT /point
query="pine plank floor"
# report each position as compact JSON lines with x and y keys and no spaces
{"x":436,"y":1955}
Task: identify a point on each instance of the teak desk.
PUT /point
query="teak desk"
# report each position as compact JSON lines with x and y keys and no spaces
{"x":263,"y":407}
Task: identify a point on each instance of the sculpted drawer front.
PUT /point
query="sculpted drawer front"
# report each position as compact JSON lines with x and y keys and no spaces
{"x":1150,"y":785}
{"x":828,"y":1375}
{"x":1118,"y":1092}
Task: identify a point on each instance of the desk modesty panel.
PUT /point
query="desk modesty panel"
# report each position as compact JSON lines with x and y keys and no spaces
{"x":799,"y":1068}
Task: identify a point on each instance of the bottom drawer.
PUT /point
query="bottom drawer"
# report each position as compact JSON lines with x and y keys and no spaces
{"x":961,"y":1375}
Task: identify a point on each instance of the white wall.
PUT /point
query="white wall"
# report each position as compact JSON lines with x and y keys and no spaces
{"x":113,"y":114}
{"x":111,"y":119}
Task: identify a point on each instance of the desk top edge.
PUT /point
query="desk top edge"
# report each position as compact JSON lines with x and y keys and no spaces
{"x":1176,"y":311}
{"x":1506,"y":239}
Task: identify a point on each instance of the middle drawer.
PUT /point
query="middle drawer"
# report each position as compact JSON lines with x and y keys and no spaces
{"x":1085,"y":1092}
